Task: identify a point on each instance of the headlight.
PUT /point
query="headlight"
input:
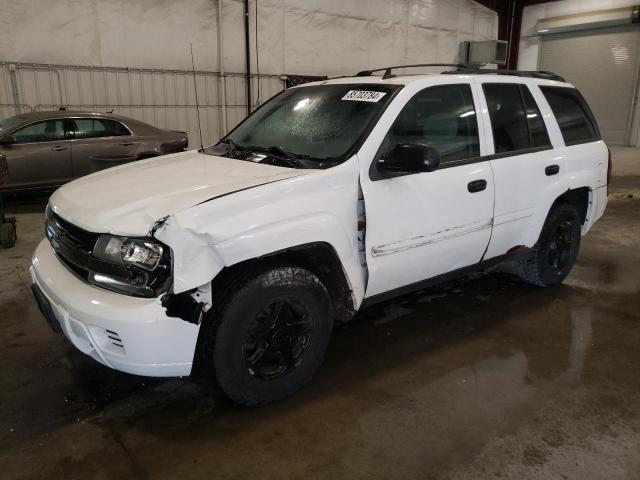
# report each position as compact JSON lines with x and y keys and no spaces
{"x":142,"y":253}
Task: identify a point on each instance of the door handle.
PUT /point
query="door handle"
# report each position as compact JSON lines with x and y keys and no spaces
{"x":58,"y":148}
{"x":126,"y":144}
{"x":477,"y":186}
{"x":552,"y":170}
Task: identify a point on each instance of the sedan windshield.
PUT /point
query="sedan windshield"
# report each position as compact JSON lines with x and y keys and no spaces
{"x":312,"y":124}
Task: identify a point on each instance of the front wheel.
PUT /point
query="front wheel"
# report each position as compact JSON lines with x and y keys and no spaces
{"x":268,"y":335}
{"x":556,"y":251}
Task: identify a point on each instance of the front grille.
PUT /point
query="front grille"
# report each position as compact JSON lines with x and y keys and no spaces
{"x":72,"y":245}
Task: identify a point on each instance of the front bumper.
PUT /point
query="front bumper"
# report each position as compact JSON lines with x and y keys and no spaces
{"x":130,"y":334}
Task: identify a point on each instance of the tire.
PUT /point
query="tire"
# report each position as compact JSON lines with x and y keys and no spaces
{"x":556,"y":251}
{"x":7,"y":235}
{"x":253,"y":362}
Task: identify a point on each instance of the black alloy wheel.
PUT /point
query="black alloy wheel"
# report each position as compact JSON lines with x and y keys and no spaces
{"x":556,"y":251}
{"x":277,"y":339}
{"x":560,"y":245}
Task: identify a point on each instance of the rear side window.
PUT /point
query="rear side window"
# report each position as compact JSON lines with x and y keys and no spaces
{"x":573,"y":115}
{"x":515,"y":118}
{"x":537,"y":128}
{"x":109,"y":128}
{"x":98,"y":127}
{"x":508,"y":117}
{"x":443,"y":117}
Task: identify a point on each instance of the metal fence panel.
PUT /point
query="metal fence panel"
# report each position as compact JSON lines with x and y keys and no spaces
{"x":164,"y":98}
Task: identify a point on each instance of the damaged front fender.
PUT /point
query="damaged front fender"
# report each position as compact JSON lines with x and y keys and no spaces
{"x":195,"y":262}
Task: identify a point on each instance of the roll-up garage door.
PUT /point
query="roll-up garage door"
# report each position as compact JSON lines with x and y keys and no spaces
{"x":603,"y":64}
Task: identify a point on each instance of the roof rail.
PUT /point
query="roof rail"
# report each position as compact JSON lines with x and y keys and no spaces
{"x":388,"y":74}
{"x":516,"y":73}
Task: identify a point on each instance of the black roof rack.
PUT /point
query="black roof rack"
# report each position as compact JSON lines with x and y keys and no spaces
{"x":388,"y":74}
{"x":465,"y":69}
{"x":516,"y":73}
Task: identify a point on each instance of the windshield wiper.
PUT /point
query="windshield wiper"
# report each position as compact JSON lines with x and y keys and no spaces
{"x":233,"y":146}
{"x":281,"y":154}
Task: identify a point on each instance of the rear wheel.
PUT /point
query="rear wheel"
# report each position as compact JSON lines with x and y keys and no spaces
{"x":556,"y":251}
{"x":268,"y":335}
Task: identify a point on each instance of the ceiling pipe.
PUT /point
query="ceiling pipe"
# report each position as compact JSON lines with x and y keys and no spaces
{"x":247,"y":53}
{"x":223,"y":81}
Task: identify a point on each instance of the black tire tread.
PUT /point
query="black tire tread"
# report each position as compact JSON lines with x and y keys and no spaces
{"x":528,"y":268}
{"x":235,"y":286}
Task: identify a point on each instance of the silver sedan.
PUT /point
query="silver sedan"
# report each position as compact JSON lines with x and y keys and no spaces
{"x":46,"y":149}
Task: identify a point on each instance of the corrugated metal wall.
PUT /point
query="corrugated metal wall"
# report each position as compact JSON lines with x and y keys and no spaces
{"x":603,"y":64}
{"x":304,"y":37}
{"x":164,"y":98}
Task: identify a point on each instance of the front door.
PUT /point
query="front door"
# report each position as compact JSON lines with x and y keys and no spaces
{"x":40,"y":156}
{"x":422,"y":225}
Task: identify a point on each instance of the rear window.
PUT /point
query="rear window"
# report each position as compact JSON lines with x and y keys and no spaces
{"x":508,"y":117}
{"x":573,"y":115}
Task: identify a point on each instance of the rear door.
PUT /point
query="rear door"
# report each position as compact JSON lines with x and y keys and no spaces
{"x":421,"y":225}
{"x":524,"y":166}
{"x":99,"y":137}
{"x":40,"y":157}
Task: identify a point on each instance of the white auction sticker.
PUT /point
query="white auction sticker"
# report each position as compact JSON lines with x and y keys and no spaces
{"x":363,"y":96}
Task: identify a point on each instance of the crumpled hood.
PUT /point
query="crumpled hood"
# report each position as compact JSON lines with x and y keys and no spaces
{"x":128,"y":200}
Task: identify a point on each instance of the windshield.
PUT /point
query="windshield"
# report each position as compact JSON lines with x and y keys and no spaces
{"x":317,"y":123}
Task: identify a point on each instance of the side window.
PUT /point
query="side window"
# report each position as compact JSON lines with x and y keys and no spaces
{"x":84,"y":127}
{"x":443,"y":117}
{"x":573,"y":115}
{"x":537,"y":128}
{"x":508,"y":117}
{"x":118,"y":129}
{"x":98,"y":127}
{"x":49,"y":131}
{"x":108,"y":128}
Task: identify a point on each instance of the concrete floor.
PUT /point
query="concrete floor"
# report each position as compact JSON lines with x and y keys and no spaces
{"x":482,"y":378}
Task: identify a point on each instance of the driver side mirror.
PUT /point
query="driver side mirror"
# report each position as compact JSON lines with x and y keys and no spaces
{"x":410,"y":158}
{"x":8,"y":140}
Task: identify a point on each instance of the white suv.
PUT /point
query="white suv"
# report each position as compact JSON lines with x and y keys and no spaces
{"x":333,"y":195}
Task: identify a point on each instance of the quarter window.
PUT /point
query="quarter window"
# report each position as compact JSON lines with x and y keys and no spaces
{"x":49,"y":131}
{"x":443,"y":117}
{"x":573,"y":115}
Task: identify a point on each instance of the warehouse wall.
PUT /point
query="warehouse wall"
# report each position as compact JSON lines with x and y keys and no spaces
{"x":133,"y":56}
{"x":530,"y":42}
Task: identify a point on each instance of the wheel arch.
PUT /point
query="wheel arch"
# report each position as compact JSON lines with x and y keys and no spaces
{"x":579,"y":198}
{"x":320,"y":258}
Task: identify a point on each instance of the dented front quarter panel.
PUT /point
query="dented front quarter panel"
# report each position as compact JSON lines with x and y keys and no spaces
{"x":318,"y":207}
